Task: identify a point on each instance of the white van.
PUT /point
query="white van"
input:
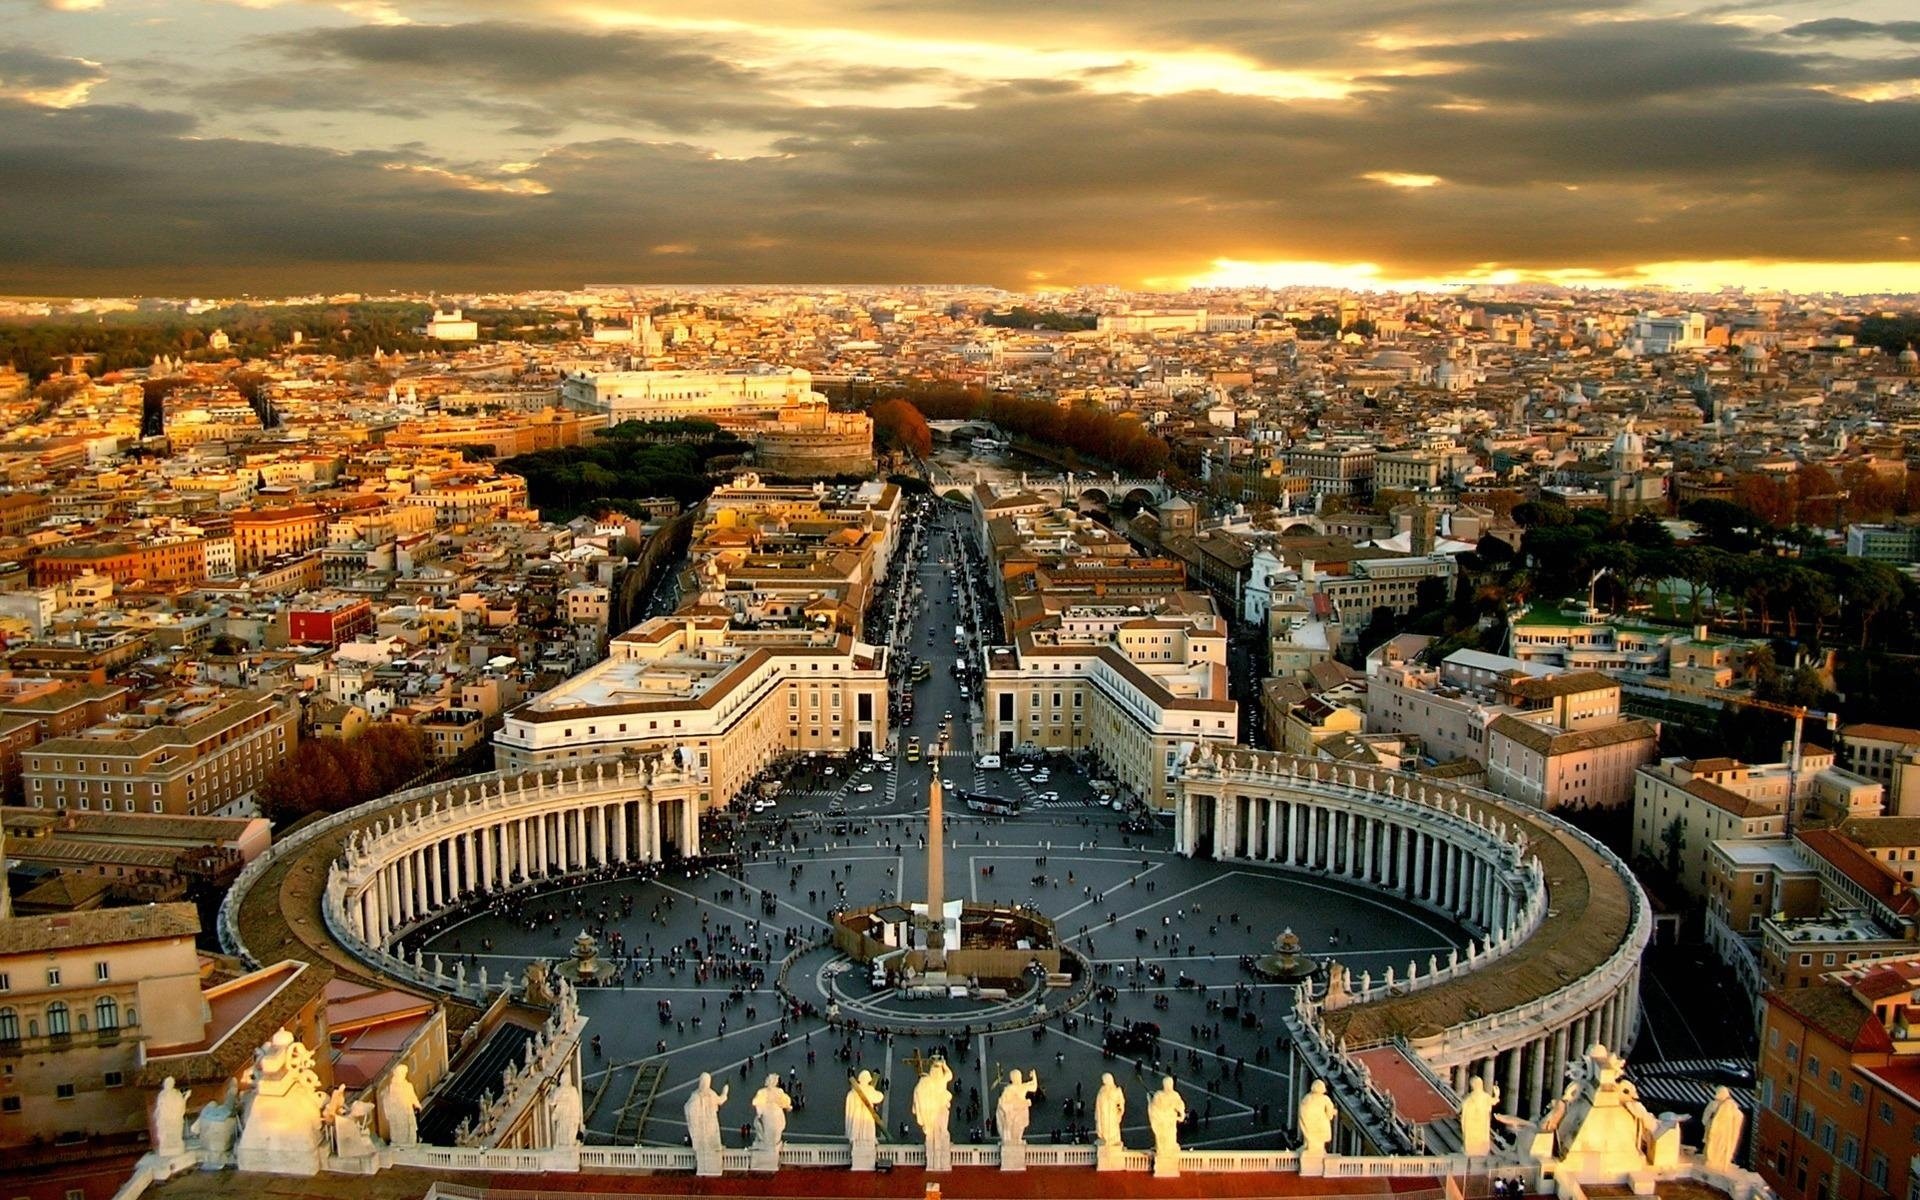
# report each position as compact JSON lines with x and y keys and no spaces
{"x":988,"y":762}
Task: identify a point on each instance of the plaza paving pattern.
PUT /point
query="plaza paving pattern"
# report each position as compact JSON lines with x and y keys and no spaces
{"x":1156,"y":926}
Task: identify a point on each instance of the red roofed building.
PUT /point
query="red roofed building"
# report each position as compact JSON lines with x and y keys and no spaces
{"x":1839,"y":1085}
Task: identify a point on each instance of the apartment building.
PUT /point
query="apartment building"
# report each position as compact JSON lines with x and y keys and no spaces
{"x":1890,"y":756}
{"x":1542,"y":763}
{"x":1748,"y":884}
{"x":262,"y":535}
{"x":1354,"y":589}
{"x":1682,"y":806}
{"x":1139,"y":689}
{"x":194,"y":752}
{"x":1838,"y":1112}
{"x":1333,"y":470}
{"x":166,"y":560}
{"x":328,"y":620}
{"x":82,"y":997}
{"x":730,"y":700}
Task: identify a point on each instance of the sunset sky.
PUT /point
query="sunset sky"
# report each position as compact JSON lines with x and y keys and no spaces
{"x":283,"y":145}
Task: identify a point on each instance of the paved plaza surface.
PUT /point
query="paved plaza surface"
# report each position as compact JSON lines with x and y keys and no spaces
{"x":699,"y":954}
{"x":1150,"y":921}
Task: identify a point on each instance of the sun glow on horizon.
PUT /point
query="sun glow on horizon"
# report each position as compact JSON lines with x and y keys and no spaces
{"x":1856,"y":278}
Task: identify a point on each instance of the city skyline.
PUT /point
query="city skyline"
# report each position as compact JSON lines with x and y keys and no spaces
{"x":282,"y":146}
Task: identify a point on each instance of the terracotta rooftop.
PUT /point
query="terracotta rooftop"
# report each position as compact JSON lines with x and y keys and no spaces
{"x":1852,"y":860}
{"x":29,"y":935}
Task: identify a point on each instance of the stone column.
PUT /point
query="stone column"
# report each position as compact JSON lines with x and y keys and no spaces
{"x":1510,"y":1091}
{"x":1536,"y":1087}
{"x":1293,"y":843}
{"x":653,"y":831}
{"x":1557,"y":1063}
{"x":540,"y":844}
{"x":467,"y":861}
{"x":620,"y":833}
{"x":1366,"y":866}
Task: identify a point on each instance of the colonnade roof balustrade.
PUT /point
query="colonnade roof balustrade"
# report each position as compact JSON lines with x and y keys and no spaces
{"x":1595,"y":910}
{"x":273,"y":910}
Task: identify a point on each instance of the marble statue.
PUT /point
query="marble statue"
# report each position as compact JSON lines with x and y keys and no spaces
{"x":351,"y":1138}
{"x":863,"y":1119}
{"x":398,"y":1104}
{"x":770,"y":1107}
{"x":1606,"y":1129}
{"x":567,"y":1114}
{"x":216,"y":1127}
{"x":703,"y":1124}
{"x":170,"y":1120}
{"x":1476,"y":1118}
{"x":932,"y":1103}
{"x":282,"y":1133}
{"x":1109,"y":1105}
{"x":1011,"y":1114}
{"x":538,"y":983}
{"x":1166,"y":1108}
{"x":1723,"y":1123}
{"x":1317,"y":1118}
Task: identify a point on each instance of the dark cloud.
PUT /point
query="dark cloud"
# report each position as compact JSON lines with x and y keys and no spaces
{"x":529,"y":79}
{"x":26,"y":72}
{"x":1069,"y":182}
{"x":1843,"y":28}
{"x":1583,"y":143}
{"x":522,"y":57}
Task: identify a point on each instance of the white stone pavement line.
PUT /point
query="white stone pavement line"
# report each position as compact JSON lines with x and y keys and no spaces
{"x":702,"y":1043}
{"x":779,"y":901}
{"x":729,"y":910}
{"x":1094,"y":900}
{"x":1126,"y":916}
{"x":1354,"y":892}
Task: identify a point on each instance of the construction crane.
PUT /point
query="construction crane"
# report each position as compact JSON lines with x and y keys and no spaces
{"x":1798,"y":712}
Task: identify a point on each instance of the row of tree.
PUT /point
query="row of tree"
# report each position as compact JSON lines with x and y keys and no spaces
{"x":1022,"y":317}
{"x":898,"y":425}
{"x":1090,"y":436}
{"x":568,"y":481}
{"x":134,"y":339}
{"x":1740,"y":572}
{"x":325,"y":774}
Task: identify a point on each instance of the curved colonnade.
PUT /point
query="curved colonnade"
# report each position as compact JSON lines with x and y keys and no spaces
{"x":1559,"y":921}
{"x":387,"y":867}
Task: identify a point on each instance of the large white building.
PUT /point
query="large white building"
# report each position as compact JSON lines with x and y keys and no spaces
{"x":731,"y":701}
{"x":1668,"y":333}
{"x":757,"y":392}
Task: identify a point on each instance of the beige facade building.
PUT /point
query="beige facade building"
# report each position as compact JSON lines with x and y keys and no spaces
{"x":1682,"y":806}
{"x":1139,"y":691}
{"x":1549,"y":767}
{"x":196,"y":752}
{"x":82,"y":997}
{"x":270,"y":533}
{"x":731,"y":701}
{"x":1890,"y":756}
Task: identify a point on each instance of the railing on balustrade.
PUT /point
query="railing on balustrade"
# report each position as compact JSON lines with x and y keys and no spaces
{"x":832,"y":1155}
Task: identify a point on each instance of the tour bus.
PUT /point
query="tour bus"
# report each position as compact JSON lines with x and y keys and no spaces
{"x":913,"y":750}
{"x":922,"y":671}
{"x":996,"y":806}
